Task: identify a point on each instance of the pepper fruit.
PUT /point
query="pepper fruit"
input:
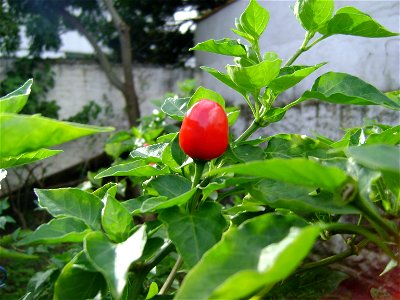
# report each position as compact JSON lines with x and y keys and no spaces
{"x":204,"y":131}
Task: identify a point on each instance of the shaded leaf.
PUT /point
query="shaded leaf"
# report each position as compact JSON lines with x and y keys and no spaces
{"x":194,"y":233}
{"x":27,"y":157}
{"x":137,"y":168}
{"x":175,"y":107}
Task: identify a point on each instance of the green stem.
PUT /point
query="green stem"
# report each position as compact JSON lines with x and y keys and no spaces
{"x":373,"y":216}
{"x":350,"y":228}
{"x":171,"y":276}
{"x":159,"y":257}
{"x":302,"y":48}
{"x":198,"y":171}
{"x":249,"y":131}
{"x":138,"y":279}
{"x":295,"y":102}
{"x":316,"y":42}
{"x":334,"y":258}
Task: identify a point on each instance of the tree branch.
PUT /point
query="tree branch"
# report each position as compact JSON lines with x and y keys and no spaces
{"x":104,"y":62}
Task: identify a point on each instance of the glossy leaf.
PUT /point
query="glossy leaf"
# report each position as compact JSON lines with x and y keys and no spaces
{"x":278,"y":194}
{"x":58,"y":230}
{"x":290,"y":76}
{"x":255,"y":77}
{"x":351,"y":21}
{"x":313,"y":14}
{"x":232,"y":113}
{"x":16,"y":100}
{"x":71,"y":202}
{"x":254,"y":19}
{"x":377,"y":157}
{"x":27,"y":157}
{"x":169,"y":185}
{"x":137,"y":168}
{"x":342,"y":88}
{"x":114,"y":260}
{"x":194,"y":233}
{"x":38,"y":132}
{"x":298,"y":171}
{"x":223,"y":46}
{"x":203,"y":93}
{"x":150,"y":153}
{"x":224,"y":78}
{"x":311,"y":284}
{"x":116,"y":220}
{"x":259,"y":253}
{"x":246,"y":152}
{"x":162,"y":202}
{"x":175,"y":107}
{"x":77,"y":283}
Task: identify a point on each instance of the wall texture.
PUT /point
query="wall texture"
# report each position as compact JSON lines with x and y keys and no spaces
{"x":374,"y":60}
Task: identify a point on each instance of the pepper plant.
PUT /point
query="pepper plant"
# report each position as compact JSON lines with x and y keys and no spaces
{"x":239,"y":223}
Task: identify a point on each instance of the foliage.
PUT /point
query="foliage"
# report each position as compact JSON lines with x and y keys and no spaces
{"x":242,"y":225}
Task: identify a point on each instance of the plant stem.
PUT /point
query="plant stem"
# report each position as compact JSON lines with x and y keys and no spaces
{"x":198,"y":171}
{"x":171,"y":276}
{"x":159,"y":257}
{"x":302,"y":48}
{"x":373,"y":216}
{"x":334,"y":258}
{"x":249,"y":131}
{"x":137,"y":286}
{"x":295,"y":102}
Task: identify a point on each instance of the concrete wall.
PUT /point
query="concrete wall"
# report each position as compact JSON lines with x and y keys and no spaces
{"x":374,"y":60}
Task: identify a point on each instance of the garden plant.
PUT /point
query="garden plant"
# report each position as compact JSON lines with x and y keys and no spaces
{"x":219,"y":216}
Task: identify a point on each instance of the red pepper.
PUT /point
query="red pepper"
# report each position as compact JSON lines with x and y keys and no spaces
{"x":204,"y":131}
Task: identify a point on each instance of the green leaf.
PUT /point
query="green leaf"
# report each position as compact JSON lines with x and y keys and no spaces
{"x":311,"y":284}
{"x":114,"y":260}
{"x":137,"y":168}
{"x":153,"y":290}
{"x":16,"y":255}
{"x":77,"y":283}
{"x":298,"y":171}
{"x":175,"y":107}
{"x":377,"y":157}
{"x":349,"y":20}
{"x":71,"y":202}
{"x":389,"y":136}
{"x":313,"y":14}
{"x":246,"y":152}
{"x":290,"y":76}
{"x":203,"y":93}
{"x":116,"y":220}
{"x":23,"y":133}
{"x":27,"y":157}
{"x":224,"y":46}
{"x":58,"y":230}
{"x":296,"y":145}
{"x":232,"y":113}
{"x":255,"y":77}
{"x":342,"y":88}
{"x":16,"y":100}
{"x":152,"y":153}
{"x":169,"y":185}
{"x":254,"y":19}
{"x":194,"y":233}
{"x":278,"y":194}
{"x":224,"y":78}
{"x":162,"y":202}
{"x":259,"y":253}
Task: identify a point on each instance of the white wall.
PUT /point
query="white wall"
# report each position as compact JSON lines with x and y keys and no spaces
{"x":374,"y":60}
